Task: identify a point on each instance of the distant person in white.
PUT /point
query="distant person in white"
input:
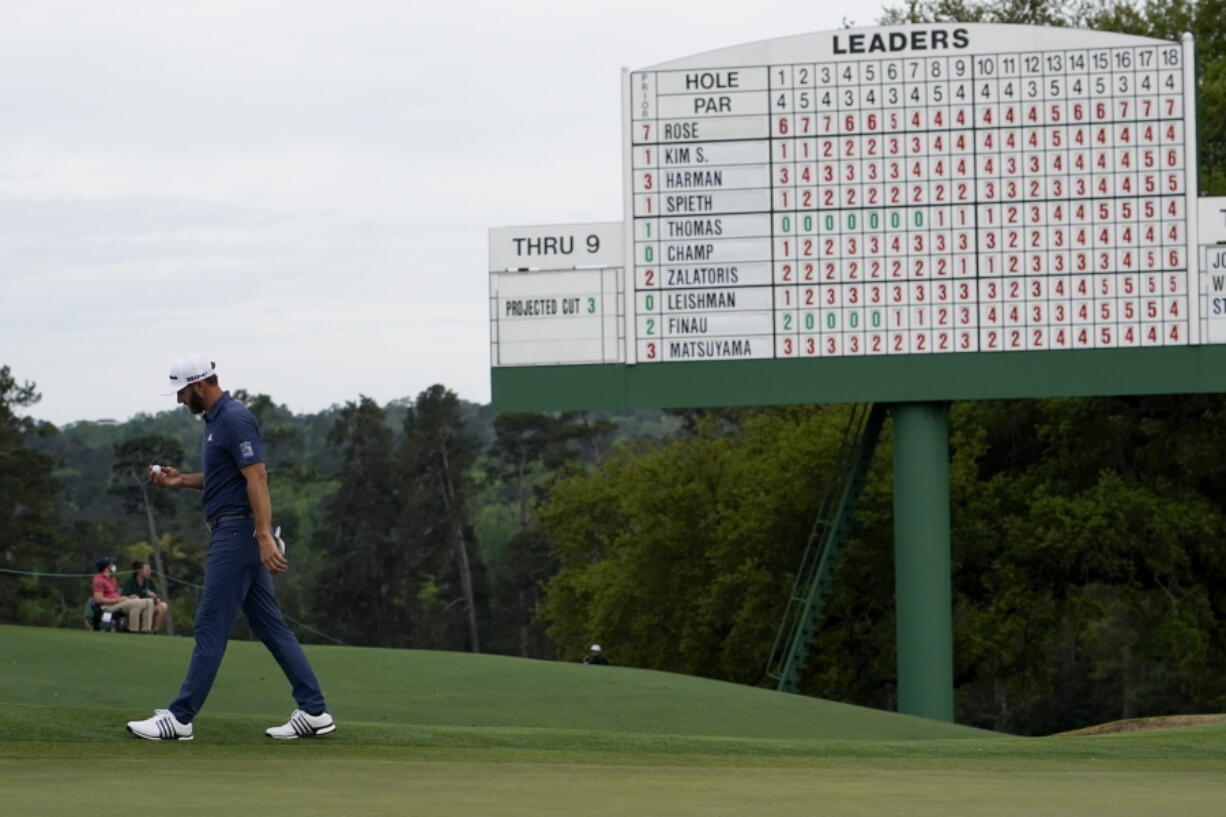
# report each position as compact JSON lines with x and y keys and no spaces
{"x":595,"y":655}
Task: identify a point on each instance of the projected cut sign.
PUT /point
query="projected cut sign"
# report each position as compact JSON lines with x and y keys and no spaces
{"x":556,"y":295}
{"x":929,"y":190}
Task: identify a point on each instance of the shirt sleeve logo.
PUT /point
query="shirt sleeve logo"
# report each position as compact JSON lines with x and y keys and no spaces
{"x":246,"y":450}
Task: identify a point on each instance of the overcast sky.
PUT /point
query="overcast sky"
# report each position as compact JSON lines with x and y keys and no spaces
{"x":300,"y":190}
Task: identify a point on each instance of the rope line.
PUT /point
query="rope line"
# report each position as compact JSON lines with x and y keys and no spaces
{"x":58,"y":575}
{"x":169,"y":578}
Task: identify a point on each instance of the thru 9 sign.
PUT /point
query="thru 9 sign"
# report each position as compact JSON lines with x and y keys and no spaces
{"x":913,"y":191}
{"x":556,"y":295}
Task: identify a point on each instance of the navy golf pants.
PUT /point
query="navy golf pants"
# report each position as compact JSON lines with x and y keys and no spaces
{"x":236,"y":579}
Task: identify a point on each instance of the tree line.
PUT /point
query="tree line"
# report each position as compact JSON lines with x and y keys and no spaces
{"x":1088,"y":573}
{"x":1089,"y":579}
{"x":409,"y":525}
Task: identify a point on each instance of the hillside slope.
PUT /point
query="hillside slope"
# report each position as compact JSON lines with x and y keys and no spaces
{"x":82,"y":669}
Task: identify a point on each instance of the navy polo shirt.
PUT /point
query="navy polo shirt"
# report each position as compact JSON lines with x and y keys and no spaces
{"x":231,"y":443}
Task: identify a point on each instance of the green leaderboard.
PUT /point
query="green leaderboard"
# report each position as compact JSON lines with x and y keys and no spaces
{"x":912,"y":213}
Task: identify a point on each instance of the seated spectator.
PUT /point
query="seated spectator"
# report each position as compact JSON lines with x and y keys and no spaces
{"x":595,"y":655}
{"x":106,"y":595}
{"x":140,"y":586}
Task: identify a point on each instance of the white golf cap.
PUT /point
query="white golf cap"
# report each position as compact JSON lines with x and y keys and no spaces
{"x":595,"y":648}
{"x":187,"y":371}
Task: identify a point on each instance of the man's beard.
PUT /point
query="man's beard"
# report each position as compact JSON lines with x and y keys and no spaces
{"x":195,"y":403}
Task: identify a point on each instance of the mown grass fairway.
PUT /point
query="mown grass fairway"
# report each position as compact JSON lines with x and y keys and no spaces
{"x":449,"y":734}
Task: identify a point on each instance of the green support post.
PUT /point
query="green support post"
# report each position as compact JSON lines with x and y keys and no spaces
{"x":922,"y":581}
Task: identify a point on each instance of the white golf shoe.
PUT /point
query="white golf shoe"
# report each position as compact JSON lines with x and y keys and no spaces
{"x":162,"y":726}
{"x":302,"y":725}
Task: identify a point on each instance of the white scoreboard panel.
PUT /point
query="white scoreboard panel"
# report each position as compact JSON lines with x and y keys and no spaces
{"x":1212,"y":236}
{"x":556,"y":295}
{"x":914,"y":190}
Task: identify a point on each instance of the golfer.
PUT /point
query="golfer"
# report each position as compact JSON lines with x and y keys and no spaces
{"x":242,"y":553}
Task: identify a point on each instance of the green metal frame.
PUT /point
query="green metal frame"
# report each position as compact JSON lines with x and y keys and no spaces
{"x":890,"y":379}
{"x":923,"y":593}
{"x":831,"y":529}
{"x":920,"y":386}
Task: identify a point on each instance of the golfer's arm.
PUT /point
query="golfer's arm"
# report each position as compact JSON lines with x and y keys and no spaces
{"x":257,"y":495}
{"x":193,"y":481}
